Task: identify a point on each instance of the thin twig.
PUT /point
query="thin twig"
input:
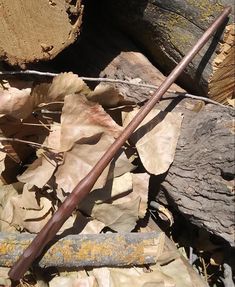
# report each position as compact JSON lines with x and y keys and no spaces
{"x":205,"y":100}
{"x":109,"y":80}
{"x":28,"y":72}
{"x":2,"y":139}
{"x":91,"y":79}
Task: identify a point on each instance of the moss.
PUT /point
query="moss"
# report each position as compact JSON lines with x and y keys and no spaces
{"x":178,"y":34}
{"x":206,"y":8}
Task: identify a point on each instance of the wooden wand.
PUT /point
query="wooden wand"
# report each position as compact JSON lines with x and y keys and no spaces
{"x":50,"y":229}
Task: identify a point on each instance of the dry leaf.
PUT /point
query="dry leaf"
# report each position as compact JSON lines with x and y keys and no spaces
{"x":231,"y":102}
{"x":182,"y":278}
{"x":24,"y":211}
{"x":114,"y":188}
{"x":74,"y":279}
{"x":82,"y":119}
{"x":4,"y":277}
{"x":102,"y":276}
{"x":119,"y":217}
{"x":77,"y":223}
{"x":18,"y":100}
{"x":6,"y":213}
{"x":156,"y":139}
{"x":106,"y":95}
{"x":66,"y":84}
{"x":15,"y":102}
{"x":62,"y":85}
{"x":39,"y":172}
{"x":136,"y":277}
{"x":140,"y":190}
{"x":78,"y":162}
{"x":53,"y":140}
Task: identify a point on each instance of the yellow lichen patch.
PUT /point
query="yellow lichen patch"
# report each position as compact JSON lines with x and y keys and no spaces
{"x":206,"y":9}
{"x":6,"y":248}
{"x":92,"y":250}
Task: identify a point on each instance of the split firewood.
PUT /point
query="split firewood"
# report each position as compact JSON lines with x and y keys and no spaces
{"x":29,"y":36}
{"x":167,"y":29}
{"x":112,"y":249}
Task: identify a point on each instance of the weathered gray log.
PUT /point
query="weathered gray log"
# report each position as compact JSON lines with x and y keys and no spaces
{"x":113,"y":249}
{"x":200,"y":182}
{"x":167,"y":30}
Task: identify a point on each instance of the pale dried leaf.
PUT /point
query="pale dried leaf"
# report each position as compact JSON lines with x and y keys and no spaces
{"x":82,"y":119}
{"x":28,"y":198}
{"x":231,"y":102}
{"x":114,"y":188}
{"x":78,"y":162}
{"x":121,"y":217}
{"x":53,"y":140}
{"x":62,"y":85}
{"x":79,"y":224}
{"x":136,"y":277}
{"x":156,"y":139}
{"x":33,"y":220}
{"x":15,"y":102}
{"x":39,"y":172}
{"x":140,"y":190}
{"x":106,"y":95}
{"x":4,"y":277}
{"x":182,"y":278}
{"x":10,"y":213}
{"x":102,"y":275}
{"x":66,"y":84}
{"x":165,"y":214}
{"x":2,"y":163}
{"x":74,"y":279}
{"x":120,"y":165}
{"x":6,"y":211}
{"x":24,"y":211}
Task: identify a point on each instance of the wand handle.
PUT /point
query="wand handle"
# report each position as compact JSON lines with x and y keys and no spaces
{"x":50,"y":229}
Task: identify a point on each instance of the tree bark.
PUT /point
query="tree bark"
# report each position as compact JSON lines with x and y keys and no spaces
{"x":95,"y":250}
{"x":168,"y":29}
{"x":37,"y":30}
{"x":200,"y":182}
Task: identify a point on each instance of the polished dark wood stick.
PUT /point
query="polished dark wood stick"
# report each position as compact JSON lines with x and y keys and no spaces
{"x":49,"y":231}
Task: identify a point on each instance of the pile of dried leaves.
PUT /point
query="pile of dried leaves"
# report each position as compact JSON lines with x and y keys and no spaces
{"x":52,"y":134}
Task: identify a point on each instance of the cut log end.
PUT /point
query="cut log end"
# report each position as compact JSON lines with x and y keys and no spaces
{"x":30,"y":36}
{"x":222,"y":81}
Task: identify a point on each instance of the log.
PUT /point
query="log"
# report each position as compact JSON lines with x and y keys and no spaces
{"x":200,"y":182}
{"x":103,"y":51}
{"x":37,"y":30}
{"x":96,"y":250}
{"x":167,"y":29}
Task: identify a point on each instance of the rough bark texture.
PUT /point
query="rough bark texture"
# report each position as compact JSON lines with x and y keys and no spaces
{"x":95,"y":250}
{"x":37,"y":30}
{"x":168,"y":29}
{"x":200,"y":182}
